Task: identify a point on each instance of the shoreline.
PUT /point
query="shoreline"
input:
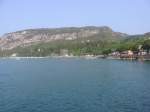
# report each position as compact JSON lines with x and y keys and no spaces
{"x":67,"y":57}
{"x":81,"y":57}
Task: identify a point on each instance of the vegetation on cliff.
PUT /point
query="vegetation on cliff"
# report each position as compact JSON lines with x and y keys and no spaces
{"x":81,"y":47}
{"x":101,"y":43}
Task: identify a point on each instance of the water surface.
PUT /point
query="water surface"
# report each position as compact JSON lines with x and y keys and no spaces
{"x":74,"y":85}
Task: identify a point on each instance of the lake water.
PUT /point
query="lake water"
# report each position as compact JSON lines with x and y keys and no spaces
{"x":74,"y":85}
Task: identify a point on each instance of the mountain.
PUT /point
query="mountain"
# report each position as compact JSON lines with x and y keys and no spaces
{"x":29,"y":37}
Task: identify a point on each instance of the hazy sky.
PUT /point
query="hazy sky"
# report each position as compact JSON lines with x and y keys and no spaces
{"x":129,"y":16}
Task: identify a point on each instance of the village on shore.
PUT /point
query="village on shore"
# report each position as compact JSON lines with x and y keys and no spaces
{"x":140,"y":54}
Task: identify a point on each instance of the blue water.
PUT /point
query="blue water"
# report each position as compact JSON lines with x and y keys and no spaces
{"x":74,"y":85}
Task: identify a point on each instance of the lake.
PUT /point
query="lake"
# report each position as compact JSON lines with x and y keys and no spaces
{"x":74,"y":85}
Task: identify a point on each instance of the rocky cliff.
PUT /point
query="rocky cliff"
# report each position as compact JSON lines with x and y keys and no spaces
{"x":33,"y":36}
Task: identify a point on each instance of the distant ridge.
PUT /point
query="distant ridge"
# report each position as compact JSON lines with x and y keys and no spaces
{"x":32,"y":36}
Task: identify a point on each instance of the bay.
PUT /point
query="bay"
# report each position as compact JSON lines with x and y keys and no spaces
{"x":74,"y":85}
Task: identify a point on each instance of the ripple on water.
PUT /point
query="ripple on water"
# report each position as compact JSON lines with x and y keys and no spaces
{"x":50,"y":85}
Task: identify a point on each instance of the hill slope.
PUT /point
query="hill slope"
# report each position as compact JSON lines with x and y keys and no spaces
{"x":34,"y":36}
{"x":73,"y":41}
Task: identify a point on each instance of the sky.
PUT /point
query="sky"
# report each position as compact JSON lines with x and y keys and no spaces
{"x":128,"y":16}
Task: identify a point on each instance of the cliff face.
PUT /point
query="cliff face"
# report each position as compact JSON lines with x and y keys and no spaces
{"x":33,"y":36}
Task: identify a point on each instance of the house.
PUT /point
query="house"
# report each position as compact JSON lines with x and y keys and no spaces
{"x":124,"y":53}
{"x":14,"y":55}
{"x":127,"y":54}
{"x":142,"y":53}
{"x":64,"y":52}
{"x":130,"y":53}
{"x":116,"y":53}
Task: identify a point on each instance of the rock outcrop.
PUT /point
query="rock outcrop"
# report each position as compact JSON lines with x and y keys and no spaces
{"x":33,"y":36}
